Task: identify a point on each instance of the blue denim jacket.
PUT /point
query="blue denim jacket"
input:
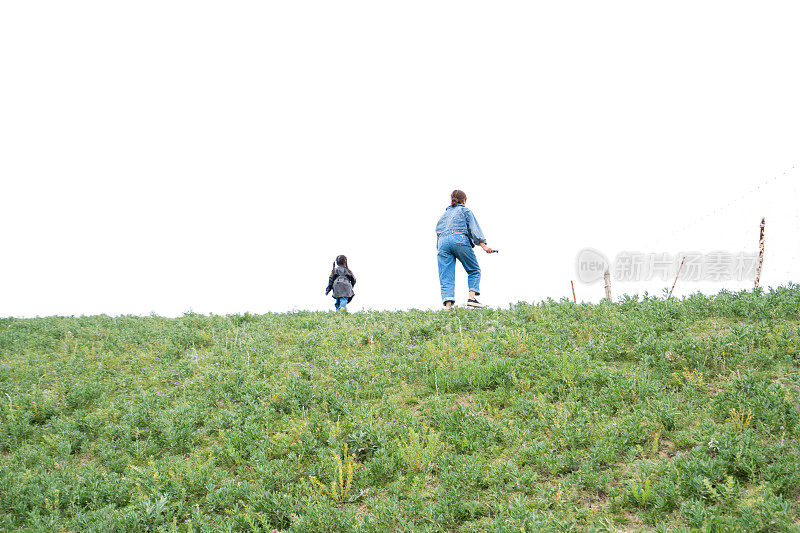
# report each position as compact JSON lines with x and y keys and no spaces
{"x":459,"y":219}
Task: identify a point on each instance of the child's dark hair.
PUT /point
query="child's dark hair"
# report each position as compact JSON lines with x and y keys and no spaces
{"x":341,"y":260}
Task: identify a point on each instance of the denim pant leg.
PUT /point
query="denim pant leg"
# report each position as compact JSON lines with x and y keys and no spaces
{"x":343,"y":302}
{"x":466,"y":255}
{"x":447,"y":269}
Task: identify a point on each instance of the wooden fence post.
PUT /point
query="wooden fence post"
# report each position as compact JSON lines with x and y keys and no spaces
{"x":676,"y":278}
{"x":760,"y":252}
{"x":574,"y":300}
{"x":607,"y":279}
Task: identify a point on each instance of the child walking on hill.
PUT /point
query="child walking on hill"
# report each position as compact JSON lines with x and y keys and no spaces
{"x":341,"y":282}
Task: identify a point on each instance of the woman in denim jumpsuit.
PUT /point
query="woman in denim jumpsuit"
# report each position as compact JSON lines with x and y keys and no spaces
{"x":456,"y":233}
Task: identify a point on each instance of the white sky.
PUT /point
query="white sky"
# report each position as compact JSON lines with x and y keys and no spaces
{"x":160,"y":156}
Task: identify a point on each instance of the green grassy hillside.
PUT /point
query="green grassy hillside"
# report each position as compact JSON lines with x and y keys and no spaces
{"x":550,"y":417}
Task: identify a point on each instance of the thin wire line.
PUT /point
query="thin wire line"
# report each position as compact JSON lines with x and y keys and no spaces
{"x":766,"y":183}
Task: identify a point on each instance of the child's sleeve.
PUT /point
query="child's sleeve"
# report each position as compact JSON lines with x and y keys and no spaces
{"x":329,"y":288}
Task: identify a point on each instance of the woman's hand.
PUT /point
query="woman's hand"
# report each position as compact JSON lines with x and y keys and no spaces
{"x":485,"y":248}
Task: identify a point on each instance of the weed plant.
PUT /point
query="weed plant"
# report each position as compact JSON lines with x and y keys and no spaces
{"x":644,"y":414}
